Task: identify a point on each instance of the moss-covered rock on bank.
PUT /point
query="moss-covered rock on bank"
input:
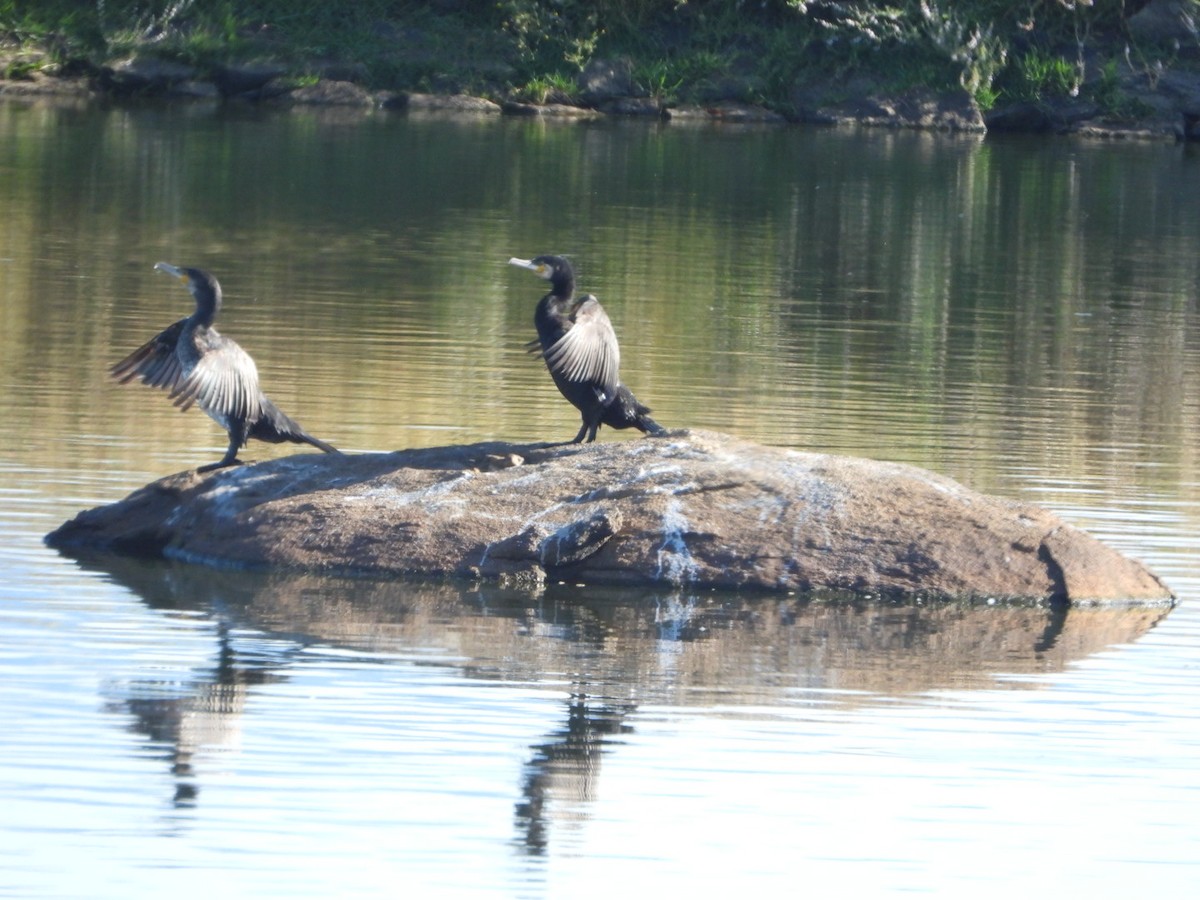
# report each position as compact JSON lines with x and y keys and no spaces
{"x":1048,"y":65}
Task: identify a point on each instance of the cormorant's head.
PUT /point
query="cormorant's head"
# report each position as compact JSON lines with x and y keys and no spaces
{"x":203,"y":286}
{"x":554,"y":269}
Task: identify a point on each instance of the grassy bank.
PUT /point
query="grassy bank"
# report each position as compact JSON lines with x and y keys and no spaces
{"x":683,"y":51}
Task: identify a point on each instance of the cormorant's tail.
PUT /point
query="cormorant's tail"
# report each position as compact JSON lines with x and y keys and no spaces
{"x":275,"y":427}
{"x":626,"y":411}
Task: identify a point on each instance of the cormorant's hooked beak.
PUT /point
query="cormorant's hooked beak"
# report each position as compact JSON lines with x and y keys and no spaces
{"x":540,"y":269}
{"x":173,"y":271}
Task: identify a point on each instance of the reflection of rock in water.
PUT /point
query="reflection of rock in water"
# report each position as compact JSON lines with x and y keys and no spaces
{"x":681,"y":649}
{"x":665,"y":647}
{"x":564,"y":769}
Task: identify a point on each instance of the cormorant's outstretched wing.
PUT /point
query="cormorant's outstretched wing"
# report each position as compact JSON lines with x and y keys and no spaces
{"x":588,"y":351}
{"x":224,"y":382}
{"x":155,"y":362}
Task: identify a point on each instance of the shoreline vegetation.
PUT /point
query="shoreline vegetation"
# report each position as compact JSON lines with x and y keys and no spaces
{"x":1116,"y":68}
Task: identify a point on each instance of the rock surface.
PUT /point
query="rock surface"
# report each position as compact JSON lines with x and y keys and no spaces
{"x":861,"y":103}
{"x":691,"y":509}
{"x":329,"y":93}
{"x":454,"y":103}
{"x":603,"y":80}
{"x":1165,"y":21}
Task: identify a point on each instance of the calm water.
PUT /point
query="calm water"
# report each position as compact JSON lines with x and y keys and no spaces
{"x":1021,"y":316}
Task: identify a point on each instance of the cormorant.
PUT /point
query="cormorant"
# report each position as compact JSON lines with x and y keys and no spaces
{"x":579,"y":345}
{"x":198,"y":365}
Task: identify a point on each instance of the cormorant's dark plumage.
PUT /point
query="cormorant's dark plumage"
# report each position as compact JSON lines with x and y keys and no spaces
{"x":580,"y":347}
{"x":200,"y":366}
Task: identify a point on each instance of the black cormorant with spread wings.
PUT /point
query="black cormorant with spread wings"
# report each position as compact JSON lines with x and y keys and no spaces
{"x":579,"y":345}
{"x":200,"y":366}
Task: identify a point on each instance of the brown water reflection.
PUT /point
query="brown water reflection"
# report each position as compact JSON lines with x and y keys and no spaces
{"x":611,"y":652}
{"x":744,"y":649}
{"x":995,"y":314}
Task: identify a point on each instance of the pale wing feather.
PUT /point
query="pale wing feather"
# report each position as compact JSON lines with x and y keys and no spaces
{"x":224,"y":382}
{"x":588,"y":351}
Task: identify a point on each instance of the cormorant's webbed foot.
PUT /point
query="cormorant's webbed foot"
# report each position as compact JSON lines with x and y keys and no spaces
{"x":220,"y":464}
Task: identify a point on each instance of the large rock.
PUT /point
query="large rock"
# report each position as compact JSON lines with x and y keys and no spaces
{"x":453,"y":103}
{"x":862,"y":102}
{"x":146,"y":74}
{"x":549,"y":110}
{"x":251,"y":77}
{"x":330,"y":93}
{"x":1164,"y":21}
{"x":691,"y":509}
{"x":603,"y":80}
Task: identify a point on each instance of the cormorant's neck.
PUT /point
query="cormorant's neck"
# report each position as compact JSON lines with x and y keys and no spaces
{"x":562,"y":286}
{"x":207,"y":307}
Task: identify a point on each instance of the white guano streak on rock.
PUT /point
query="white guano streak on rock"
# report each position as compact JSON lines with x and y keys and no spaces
{"x":225,"y":500}
{"x":675,"y":562}
{"x":429,"y":496}
{"x":656,"y":472}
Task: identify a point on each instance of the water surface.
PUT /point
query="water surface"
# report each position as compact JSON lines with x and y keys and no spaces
{"x":1018,"y":315}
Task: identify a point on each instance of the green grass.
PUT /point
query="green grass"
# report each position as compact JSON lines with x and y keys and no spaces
{"x":553,"y":87}
{"x":1040,"y":77}
{"x":534,"y":48}
{"x":676,"y":77}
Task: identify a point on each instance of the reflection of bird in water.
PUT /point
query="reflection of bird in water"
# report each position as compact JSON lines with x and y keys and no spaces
{"x":580,"y":348}
{"x":198,"y":365}
{"x":566,"y":767}
{"x":202,"y":713}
